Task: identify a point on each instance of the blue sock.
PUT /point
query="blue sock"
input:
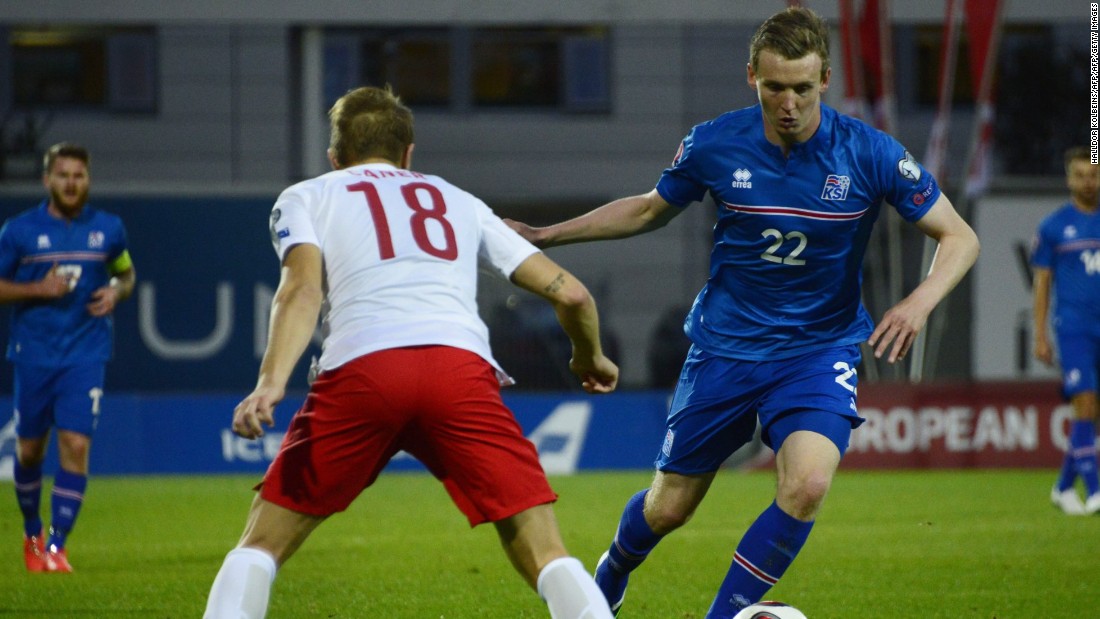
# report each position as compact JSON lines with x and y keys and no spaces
{"x":28,"y":491}
{"x":68,"y":495}
{"x":1082,"y":443}
{"x":634,"y":539}
{"x":765,"y":552}
{"x":1068,"y":474}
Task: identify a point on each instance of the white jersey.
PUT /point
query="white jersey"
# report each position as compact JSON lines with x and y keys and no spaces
{"x":401,"y":252}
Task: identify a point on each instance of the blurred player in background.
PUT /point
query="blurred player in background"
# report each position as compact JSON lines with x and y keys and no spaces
{"x":1066,"y":251}
{"x":777,"y":327}
{"x":391,"y":255}
{"x":64,"y":266}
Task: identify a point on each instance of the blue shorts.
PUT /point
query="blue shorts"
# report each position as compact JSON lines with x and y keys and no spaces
{"x":66,"y":397}
{"x":1079,"y":356}
{"x":718,"y":400}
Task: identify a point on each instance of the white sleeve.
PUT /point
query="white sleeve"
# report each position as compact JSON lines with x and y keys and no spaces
{"x":502,"y":249}
{"x":291,"y":223}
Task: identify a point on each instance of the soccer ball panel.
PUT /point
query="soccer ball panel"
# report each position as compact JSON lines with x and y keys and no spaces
{"x":770,"y":610}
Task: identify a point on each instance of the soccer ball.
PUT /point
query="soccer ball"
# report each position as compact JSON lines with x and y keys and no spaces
{"x":769,"y":610}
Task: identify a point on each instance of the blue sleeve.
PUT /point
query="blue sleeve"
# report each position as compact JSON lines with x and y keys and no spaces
{"x":1042,"y":249}
{"x":679,"y":184}
{"x":906,"y":184}
{"x":9,"y":252}
{"x":118,"y":241}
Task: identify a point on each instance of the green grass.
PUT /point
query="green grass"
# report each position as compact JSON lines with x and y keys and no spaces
{"x":981,"y":544}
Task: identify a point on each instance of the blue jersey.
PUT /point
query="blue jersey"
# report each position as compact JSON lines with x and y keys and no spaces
{"x":786,"y":267}
{"x":1068,"y":243}
{"x":60,"y":332}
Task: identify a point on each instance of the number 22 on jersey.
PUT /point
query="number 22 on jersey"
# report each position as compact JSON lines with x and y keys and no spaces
{"x":435,"y":210}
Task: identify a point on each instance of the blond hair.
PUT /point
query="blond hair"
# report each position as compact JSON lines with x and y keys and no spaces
{"x":792,"y":33}
{"x":369,"y":122}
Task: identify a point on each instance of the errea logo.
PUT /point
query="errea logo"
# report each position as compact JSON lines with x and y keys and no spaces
{"x":741,"y":179}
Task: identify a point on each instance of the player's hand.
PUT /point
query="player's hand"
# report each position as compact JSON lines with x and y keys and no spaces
{"x":53,"y":285}
{"x":255,"y":412}
{"x":1043,"y":351}
{"x":104,"y":301}
{"x":598,"y":374}
{"x":527,"y":232}
{"x":899,"y":326}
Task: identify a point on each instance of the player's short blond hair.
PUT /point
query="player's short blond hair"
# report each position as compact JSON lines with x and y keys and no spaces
{"x":792,"y":33}
{"x":367,"y":123}
{"x":64,"y":149}
{"x":1077,"y":153}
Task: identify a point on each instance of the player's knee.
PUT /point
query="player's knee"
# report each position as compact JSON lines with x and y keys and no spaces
{"x":803,"y":496}
{"x":665,"y":518}
{"x":73,"y":447}
{"x":31,"y":454}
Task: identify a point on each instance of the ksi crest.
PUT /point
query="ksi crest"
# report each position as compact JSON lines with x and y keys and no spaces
{"x":836,"y":187}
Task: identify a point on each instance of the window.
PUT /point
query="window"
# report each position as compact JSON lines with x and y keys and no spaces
{"x":540,"y":67}
{"x":929,"y":44}
{"x":415,"y":62}
{"x":1040,"y":89}
{"x":474,"y":69}
{"x":1042,"y":97}
{"x":110,"y":69}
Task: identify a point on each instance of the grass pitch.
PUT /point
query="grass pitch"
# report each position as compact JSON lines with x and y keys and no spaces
{"x":981,"y":544}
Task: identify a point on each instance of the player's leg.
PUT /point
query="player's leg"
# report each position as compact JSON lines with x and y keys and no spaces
{"x":1082,"y":442}
{"x":330,"y":453}
{"x":272,"y":534}
{"x":805,"y":465}
{"x":33,"y":420}
{"x":649,"y":515}
{"x":471,"y":441}
{"x":27,"y":475}
{"x":67,"y":496}
{"x":807,"y":416}
{"x":710,"y":417}
{"x":533,"y":544}
{"x":76,"y":413}
{"x":1079,"y":353}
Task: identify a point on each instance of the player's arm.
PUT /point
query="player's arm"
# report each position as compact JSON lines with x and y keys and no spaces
{"x":956,"y":252}
{"x":53,"y":285}
{"x":1041,"y":314}
{"x":294,"y":311}
{"x":615,"y":220}
{"x":118,"y":289}
{"x":576,"y":311}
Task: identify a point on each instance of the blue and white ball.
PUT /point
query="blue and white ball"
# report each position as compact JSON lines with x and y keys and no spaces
{"x":770,"y":610}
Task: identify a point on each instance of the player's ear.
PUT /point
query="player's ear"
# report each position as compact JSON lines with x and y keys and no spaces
{"x":751,"y":75}
{"x":332,"y":159}
{"x":825,"y":80}
{"x":407,"y":158}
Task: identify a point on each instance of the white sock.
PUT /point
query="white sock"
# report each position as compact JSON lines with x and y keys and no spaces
{"x":242,"y":586}
{"x":570,"y":592}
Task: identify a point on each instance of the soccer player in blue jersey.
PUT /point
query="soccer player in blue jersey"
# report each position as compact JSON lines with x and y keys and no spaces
{"x":64,"y":267}
{"x":1066,"y":251}
{"x":776,"y":329}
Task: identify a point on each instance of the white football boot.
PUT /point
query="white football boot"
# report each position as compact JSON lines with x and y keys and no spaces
{"x":1092,"y":504}
{"x":1069,"y":502}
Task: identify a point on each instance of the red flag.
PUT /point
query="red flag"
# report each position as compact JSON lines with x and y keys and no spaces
{"x":983,"y":25}
{"x":937,"y":140}
{"x":878,"y":59}
{"x":855,"y":102}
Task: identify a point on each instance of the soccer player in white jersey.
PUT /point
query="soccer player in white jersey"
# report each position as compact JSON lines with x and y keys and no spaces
{"x":776,"y":329}
{"x":389,"y":258}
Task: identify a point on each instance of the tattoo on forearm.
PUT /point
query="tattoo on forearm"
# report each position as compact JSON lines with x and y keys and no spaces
{"x":556,"y":285}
